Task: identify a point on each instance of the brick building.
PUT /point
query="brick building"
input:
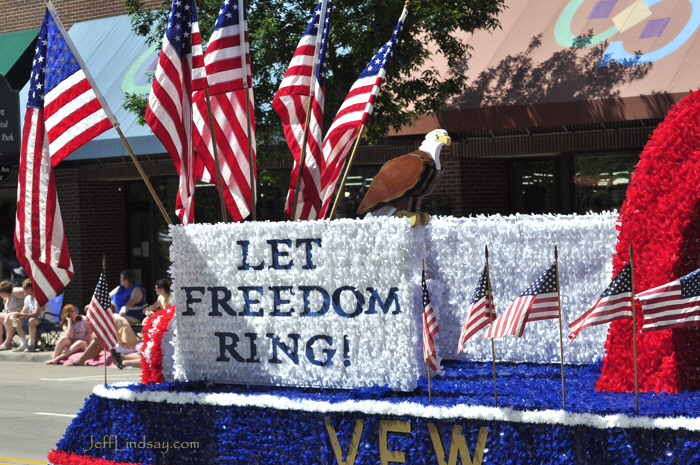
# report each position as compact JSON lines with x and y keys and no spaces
{"x":554,"y":120}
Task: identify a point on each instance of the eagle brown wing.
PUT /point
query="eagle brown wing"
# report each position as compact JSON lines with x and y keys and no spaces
{"x":395,"y":178}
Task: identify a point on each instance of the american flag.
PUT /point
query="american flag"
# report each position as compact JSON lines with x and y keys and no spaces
{"x":615,"y":303}
{"x":99,"y":315}
{"x":354,"y":112}
{"x":180,"y":71}
{"x":540,"y":301}
{"x":291,"y":102}
{"x":225,"y":67}
{"x":63,"y":113}
{"x":481,"y":310}
{"x":430,"y":328}
{"x":673,"y":305}
{"x":226,"y":74}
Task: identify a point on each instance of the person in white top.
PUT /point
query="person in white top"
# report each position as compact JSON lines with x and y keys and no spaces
{"x":27,"y":319}
{"x":13,"y":301}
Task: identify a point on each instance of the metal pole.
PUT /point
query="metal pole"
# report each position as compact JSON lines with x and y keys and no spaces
{"x":347,"y":170}
{"x":105,"y":364}
{"x":634,"y":337}
{"x":561,"y":338}
{"x":493,"y":348}
{"x":427,"y":363}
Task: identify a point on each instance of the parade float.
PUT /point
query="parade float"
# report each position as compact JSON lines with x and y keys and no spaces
{"x":300,"y":342}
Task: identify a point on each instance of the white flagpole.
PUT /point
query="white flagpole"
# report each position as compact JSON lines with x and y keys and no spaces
{"x":106,"y":108}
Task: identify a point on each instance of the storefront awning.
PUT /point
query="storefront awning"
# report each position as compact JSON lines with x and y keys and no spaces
{"x":119,"y":61}
{"x":574,"y":61}
{"x":17,"y":55}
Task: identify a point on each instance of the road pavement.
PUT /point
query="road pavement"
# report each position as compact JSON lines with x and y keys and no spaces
{"x":38,"y":402}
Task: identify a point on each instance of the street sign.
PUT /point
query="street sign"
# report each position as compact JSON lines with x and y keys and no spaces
{"x":9,"y":130}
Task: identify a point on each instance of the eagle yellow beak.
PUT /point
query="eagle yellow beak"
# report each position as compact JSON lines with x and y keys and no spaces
{"x":446,"y":139}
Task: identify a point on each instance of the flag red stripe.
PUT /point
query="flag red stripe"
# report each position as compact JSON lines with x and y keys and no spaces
{"x":232,"y":143}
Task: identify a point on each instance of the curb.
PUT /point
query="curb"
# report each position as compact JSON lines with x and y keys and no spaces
{"x":9,"y":356}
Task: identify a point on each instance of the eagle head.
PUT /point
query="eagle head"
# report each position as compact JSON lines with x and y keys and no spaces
{"x":433,"y":143}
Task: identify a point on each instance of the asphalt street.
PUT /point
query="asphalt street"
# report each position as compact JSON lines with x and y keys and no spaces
{"x":38,"y":402}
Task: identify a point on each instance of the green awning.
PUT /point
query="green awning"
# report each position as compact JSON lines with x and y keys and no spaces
{"x":17,"y":55}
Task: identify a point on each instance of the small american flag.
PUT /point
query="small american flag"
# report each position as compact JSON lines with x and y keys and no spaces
{"x":430,"y":328}
{"x":481,"y":310}
{"x":673,"y":305}
{"x":180,"y":71}
{"x":63,"y":113}
{"x":291,"y":102}
{"x":615,"y":303}
{"x":354,"y":112}
{"x":227,"y":77}
{"x":99,"y":315}
{"x":540,"y":301}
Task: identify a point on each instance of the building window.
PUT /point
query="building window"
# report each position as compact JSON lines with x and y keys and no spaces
{"x":534,"y":185}
{"x":600,"y":180}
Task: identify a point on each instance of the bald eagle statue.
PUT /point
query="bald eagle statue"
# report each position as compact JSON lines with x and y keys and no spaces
{"x":401,"y":183}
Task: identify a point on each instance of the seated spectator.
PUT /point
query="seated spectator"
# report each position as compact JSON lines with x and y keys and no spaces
{"x":76,"y":334}
{"x":25,"y":320}
{"x":126,"y":339}
{"x":165,"y":297}
{"x":129,"y":298}
{"x":13,"y":301}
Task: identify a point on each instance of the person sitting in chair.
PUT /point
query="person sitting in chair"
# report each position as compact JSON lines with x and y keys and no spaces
{"x":13,"y":301}
{"x":129,"y":298}
{"x":26,"y":320}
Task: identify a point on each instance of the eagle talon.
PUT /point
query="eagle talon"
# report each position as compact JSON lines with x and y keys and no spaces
{"x":412,"y":216}
{"x":424,"y":218}
{"x":415,"y":217}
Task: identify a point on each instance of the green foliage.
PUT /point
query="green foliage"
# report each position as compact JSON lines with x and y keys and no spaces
{"x":358,"y":29}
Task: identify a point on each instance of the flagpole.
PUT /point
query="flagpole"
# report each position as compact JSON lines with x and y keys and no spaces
{"x":104,"y":268}
{"x":215,"y":149}
{"x":244,"y":65}
{"x":347,"y":170}
{"x":106,"y":109}
{"x":427,"y":363}
{"x":634,"y":337}
{"x":312,"y":92}
{"x":561,"y":338}
{"x":302,"y":159}
{"x":493,"y":349}
{"x":142,"y":173}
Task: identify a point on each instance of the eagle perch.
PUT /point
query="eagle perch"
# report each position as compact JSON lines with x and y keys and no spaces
{"x":403,"y":182}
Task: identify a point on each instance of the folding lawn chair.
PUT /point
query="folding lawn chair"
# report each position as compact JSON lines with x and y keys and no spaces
{"x":49,"y":329}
